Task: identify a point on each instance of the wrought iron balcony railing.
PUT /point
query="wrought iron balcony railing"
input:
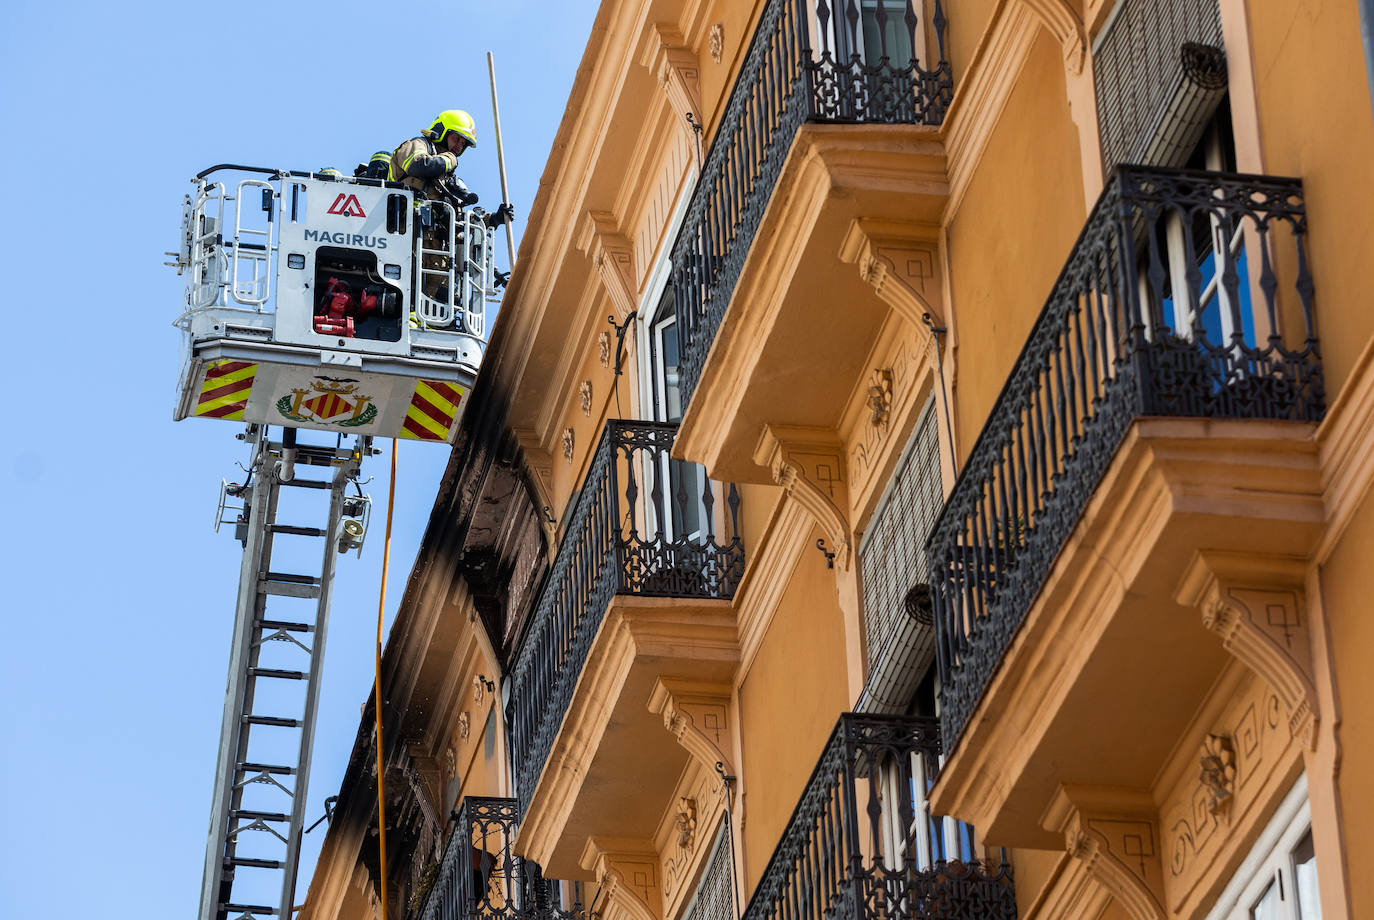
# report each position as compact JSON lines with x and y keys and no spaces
{"x":861,"y":844}
{"x":1187,"y":294}
{"x":479,"y":877}
{"x":643,"y":524}
{"x":867,"y":68}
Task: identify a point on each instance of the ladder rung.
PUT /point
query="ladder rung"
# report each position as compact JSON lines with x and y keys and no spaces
{"x":316,"y":459}
{"x":309,"y":484}
{"x":291,"y":579}
{"x":296,"y":531}
{"x":277,"y":672}
{"x":237,"y":861}
{"x":285,"y":626}
{"x":259,"y":815}
{"x":288,"y":589}
{"x":266,"y":768}
{"x":248,"y":908}
{"x":272,"y":720}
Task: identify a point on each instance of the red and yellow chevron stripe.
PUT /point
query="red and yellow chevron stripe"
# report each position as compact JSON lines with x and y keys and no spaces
{"x":432,"y":411}
{"x":224,"y":394}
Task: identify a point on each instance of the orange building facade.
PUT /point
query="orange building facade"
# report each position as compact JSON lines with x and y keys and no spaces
{"x":921,"y":470}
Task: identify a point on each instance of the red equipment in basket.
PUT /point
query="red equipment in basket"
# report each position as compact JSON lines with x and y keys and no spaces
{"x":339,"y":307}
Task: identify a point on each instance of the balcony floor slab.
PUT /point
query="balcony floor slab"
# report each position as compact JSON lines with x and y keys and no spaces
{"x":614,"y":765}
{"x":793,"y":342}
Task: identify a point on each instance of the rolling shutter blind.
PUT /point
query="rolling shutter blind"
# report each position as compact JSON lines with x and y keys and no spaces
{"x":1159,"y":72}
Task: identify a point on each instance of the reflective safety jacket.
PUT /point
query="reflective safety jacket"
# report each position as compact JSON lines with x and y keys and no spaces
{"x":417,"y":163}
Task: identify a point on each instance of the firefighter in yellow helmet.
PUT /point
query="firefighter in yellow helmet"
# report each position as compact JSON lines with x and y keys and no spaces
{"x":423,"y":161}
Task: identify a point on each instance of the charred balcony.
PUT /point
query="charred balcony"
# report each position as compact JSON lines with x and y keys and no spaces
{"x":479,"y":877}
{"x":642,"y":525}
{"x":863,"y":844}
{"x":809,"y":62}
{"x":1187,"y":296}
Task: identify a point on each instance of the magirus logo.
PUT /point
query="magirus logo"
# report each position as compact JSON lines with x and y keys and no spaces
{"x":347,"y":205}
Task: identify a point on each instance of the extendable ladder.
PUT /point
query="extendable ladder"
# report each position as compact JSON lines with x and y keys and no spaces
{"x":261,"y":779}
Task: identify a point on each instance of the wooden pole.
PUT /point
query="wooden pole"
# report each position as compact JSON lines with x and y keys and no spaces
{"x":501,"y":158}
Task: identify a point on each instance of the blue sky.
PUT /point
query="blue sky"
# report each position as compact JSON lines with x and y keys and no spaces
{"x":119,"y":597}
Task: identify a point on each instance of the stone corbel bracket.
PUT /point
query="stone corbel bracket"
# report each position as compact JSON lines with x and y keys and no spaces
{"x":1114,"y":832}
{"x":901,"y":262}
{"x":676,"y":68}
{"x":1255,"y":604}
{"x":627,"y":871}
{"x":599,"y":237}
{"x":698,"y":715}
{"x":809,"y":464}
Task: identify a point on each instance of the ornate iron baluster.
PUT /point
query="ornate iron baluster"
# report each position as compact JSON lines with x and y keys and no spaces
{"x":822,"y":869}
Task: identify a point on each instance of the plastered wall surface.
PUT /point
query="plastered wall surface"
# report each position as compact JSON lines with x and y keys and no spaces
{"x":1315,"y":123}
{"x":789,"y":701}
{"x":1012,"y":233}
{"x":1349,"y":612}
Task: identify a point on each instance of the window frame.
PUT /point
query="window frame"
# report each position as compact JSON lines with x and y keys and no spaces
{"x":1270,"y":858}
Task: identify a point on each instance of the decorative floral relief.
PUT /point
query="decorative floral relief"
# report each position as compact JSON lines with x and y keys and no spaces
{"x":569,"y":442}
{"x":584,"y":397}
{"x":879,"y":399}
{"x":715,"y":42}
{"x":603,"y":349}
{"x":1219,"y":772}
{"x":1229,"y":764}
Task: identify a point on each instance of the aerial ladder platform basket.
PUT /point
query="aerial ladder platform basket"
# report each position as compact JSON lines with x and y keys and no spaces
{"x":338,"y":305}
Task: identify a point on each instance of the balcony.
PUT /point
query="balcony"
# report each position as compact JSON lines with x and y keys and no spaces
{"x":783,"y":84}
{"x":1108,"y":466}
{"x":862,"y":844}
{"x":643,"y":526}
{"x":479,"y":877}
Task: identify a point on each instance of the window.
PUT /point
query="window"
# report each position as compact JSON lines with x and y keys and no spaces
{"x":893,"y":562}
{"x":714,"y":898}
{"x":1278,"y":880}
{"x":686,"y":481}
{"x":1206,"y":247}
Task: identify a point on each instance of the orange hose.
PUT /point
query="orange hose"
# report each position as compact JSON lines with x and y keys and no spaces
{"x":377,"y":681}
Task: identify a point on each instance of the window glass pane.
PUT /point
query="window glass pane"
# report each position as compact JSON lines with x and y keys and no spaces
{"x":1305,"y":879}
{"x":893,"y":32}
{"x":1267,"y":907}
{"x":673,"y":393}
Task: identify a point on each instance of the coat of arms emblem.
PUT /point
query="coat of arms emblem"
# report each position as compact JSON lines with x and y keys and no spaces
{"x":330,"y":401}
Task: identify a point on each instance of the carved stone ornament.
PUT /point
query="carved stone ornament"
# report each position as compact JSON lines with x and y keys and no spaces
{"x":686,"y":821}
{"x":900,"y":261}
{"x":451,"y":759}
{"x":715,"y":41}
{"x":584,"y":397}
{"x":464,"y":725}
{"x":879,"y":399}
{"x":1114,"y":834}
{"x":1255,"y":605}
{"x":479,"y":690}
{"x":603,"y":349}
{"x":808,"y":463}
{"x":1219,"y":773}
{"x":569,"y":442}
